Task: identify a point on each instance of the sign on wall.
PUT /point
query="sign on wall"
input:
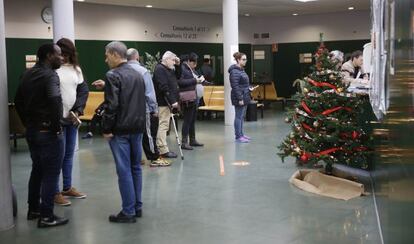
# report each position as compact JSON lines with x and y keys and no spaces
{"x":30,"y":61}
{"x":182,"y":33}
{"x":259,"y":54}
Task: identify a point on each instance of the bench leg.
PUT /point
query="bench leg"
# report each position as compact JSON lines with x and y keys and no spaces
{"x":261,"y":111}
{"x":15,"y":141}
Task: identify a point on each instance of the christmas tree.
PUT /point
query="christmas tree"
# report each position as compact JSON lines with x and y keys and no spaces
{"x":325,"y":127}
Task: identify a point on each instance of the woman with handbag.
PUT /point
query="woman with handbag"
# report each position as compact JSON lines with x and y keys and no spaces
{"x":188,"y":99}
{"x":240,"y":94}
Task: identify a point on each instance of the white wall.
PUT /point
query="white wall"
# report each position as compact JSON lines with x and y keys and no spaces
{"x":349,"y":25}
{"x":105,"y":22}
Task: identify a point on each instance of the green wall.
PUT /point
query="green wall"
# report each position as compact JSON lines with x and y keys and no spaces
{"x":286,"y":61}
{"x":92,"y":59}
{"x":92,"y":56}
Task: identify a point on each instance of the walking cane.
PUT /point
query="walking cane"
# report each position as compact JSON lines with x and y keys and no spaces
{"x":176,"y":135}
{"x":175,"y":128}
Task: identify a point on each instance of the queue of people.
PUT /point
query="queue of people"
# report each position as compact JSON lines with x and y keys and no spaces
{"x":137,"y":109}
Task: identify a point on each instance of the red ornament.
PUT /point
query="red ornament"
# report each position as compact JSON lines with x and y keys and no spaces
{"x":355,"y":135}
{"x":304,"y":158}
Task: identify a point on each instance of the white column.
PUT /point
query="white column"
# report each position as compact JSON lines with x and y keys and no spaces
{"x":63,"y":20}
{"x":230,"y":46}
{"x":6,"y":206}
{"x":64,"y":26}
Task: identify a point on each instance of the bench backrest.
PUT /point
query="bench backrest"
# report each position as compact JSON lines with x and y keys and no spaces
{"x":271,"y":93}
{"x":15,"y":124}
{"x":213,"y":95}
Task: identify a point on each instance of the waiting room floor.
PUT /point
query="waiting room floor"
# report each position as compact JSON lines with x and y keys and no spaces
{"x":190,"y":202}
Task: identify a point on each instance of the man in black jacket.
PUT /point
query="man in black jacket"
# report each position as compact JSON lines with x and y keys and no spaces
{"x":166,"y":90}
{"x":39,"y":104}
{"x":123,"y":125}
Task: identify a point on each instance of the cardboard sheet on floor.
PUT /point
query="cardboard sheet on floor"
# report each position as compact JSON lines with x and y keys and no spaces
{"x":330,"y":186}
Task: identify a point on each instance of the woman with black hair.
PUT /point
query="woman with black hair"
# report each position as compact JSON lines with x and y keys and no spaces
{"x":74,"y":91}
{"x":188,"y":98}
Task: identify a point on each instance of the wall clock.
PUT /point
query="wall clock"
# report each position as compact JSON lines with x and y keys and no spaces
{"x":47,"y":15}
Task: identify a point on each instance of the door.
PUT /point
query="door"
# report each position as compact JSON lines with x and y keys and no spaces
{"x":262,"y":64}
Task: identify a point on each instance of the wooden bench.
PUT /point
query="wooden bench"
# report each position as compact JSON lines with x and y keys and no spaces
{"x":213,"y":98}
{"x":267,"y":93}
{"x":94,"y":100}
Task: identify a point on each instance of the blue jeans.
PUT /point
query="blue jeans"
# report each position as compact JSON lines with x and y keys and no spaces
{"x":238,"y":120}
{"x":69,"y":140}
{"x":46,"y":151}
{"x":127,"y":152}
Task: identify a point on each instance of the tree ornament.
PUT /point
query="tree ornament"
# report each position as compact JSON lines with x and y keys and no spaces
{"x":316,"y":124}
{"x":304,"y":158}
{"x":287,"y":120}
{"x":354,"y":135}
{"x":306,"y":90}
{"x":340,"y":89}
{"x":297,"y":149}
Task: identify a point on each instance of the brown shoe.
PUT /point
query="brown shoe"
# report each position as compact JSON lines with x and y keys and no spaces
{"x":72,"y":192}
{"x":61,"y":200}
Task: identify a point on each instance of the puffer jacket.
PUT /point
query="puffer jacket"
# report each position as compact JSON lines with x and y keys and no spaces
{"x":239,"y":81}
{"x":125,"y":111}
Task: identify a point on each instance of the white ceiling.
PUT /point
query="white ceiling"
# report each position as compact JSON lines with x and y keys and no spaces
{"x":253,"y":7}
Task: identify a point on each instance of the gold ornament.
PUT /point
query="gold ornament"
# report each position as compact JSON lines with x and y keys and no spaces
{"x":297,"y":149}
{"x":340,"y":89}
{"x":305,"y":90}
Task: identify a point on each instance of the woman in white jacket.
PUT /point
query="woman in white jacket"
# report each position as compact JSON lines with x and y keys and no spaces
{"x":74,"y":92}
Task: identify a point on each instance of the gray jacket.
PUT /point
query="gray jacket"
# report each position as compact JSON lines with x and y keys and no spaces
{"x":150,"y":99}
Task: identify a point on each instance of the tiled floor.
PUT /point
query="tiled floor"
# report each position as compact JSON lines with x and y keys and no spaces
{"x":191,"y":203}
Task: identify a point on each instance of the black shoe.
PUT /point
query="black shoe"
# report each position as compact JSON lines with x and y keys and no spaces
{"x":32,"y":215}
{"x":51,"y":221}
{"x":87,"y":135}
{"x":196,"y":144}
{"x":186,"y":147}
{"x":122,"y":218}
{"x":138,"y":213}
{"x":169,"y":155}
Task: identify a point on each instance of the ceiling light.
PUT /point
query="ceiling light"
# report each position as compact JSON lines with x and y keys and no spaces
{"x":81,"y":0}
{"x":305,"y":1}
{"x":148,"y":6}
{"x":247,"y":14}
{"x":351,"y":8}
{"x":295,"y":14}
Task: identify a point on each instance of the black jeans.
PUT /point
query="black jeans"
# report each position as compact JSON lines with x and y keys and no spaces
{"x":96,"y":120}
{"x":46,"y":150}
{"x":189,"y":116}
{"x":145,"y":140}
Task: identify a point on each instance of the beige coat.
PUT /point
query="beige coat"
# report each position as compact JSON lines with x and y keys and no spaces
{"x":348,"y":71}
